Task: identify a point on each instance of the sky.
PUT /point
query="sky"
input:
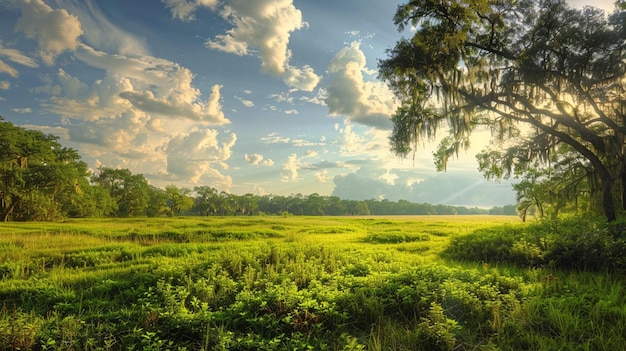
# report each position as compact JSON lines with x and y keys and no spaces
{"x":265,"y":97}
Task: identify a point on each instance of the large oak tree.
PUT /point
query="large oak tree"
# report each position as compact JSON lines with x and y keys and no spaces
{"x":539,"y":74}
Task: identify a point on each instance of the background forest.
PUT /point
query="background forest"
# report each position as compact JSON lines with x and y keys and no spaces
{"x":43,"y":181}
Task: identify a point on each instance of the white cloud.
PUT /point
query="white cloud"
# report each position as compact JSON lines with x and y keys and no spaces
{"x":5,"y":85}
{"x":291,"y":112}
{"x":8,"y":69}
{"x":100,"y":32}
{"x":282,"y":97}
{"x":210,"y":112}
{"x":452,"y":188}
{"x":351,"y":142}
{"x":322,"y":176}
{"x":55,"y":130}
{"x":117,"y":135}
{"x":246,"y":102}
{"x":310,"y":153}
{"x":194,"y":155}
{"x":256,"y":159}
{"x":15,"y":56}
{"x":264,"y":27}
{"x":301,"y":78}
{"x":152,"y":85}
{"x":274,"y":138}
{"x":55,"y":30}
{"x":164,"y":151}
{"x":22,"y":110}
{"x":365,"y":102}
{"x":606,"y":5}
{"x":291,"y":168}
{"x":389,"y":177}
{"x":183,"y":9}
{"x":373,"y":144}
{"x":71,"y":98}
{"x":144,"y":114}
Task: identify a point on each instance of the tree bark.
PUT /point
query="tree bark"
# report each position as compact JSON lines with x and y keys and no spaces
{"x":623,"y":176}
{"x":607,"y":198}
{"x":8,"y":211}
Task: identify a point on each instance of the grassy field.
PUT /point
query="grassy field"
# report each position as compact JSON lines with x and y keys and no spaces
{"x":301,"y":283}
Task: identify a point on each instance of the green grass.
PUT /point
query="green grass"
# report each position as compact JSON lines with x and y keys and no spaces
{"x":298,"y":283}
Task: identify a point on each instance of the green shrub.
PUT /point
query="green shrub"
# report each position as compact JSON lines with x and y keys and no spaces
{"x":395,"y":237}
{"x":570,"y":243}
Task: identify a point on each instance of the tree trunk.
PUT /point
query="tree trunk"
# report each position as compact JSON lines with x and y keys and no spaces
{"x":623,"y":176}
{"x":607,"y":196}
{"x":8,"y":211}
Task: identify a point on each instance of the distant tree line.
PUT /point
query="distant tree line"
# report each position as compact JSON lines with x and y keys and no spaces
{"x":40,"y":180}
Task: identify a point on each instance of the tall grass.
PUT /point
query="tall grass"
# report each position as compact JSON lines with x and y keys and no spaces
{"x":273,"y":283}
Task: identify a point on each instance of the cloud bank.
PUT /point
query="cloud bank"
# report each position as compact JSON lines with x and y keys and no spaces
{"x":456,"y":188}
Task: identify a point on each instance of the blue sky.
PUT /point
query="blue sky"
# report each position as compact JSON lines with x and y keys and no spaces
{"x":264,"y":97}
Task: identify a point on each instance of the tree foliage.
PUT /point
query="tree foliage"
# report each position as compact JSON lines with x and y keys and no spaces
{"x":39,"y":178}
{"x":129,"y":191}
{"x":539,"y":74}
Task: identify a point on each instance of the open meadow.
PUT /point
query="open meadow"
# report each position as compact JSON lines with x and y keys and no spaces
{"x":309,"y":283}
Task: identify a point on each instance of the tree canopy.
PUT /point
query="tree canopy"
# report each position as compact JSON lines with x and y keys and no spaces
{"x":542,"y":76}
{"x":39,"y":178}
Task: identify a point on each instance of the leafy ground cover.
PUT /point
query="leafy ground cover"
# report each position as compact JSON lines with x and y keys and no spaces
{"x":308,"y":283}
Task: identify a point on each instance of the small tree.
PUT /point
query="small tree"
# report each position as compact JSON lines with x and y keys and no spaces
{"x":130,"y":191}
{"x":178,"y":200}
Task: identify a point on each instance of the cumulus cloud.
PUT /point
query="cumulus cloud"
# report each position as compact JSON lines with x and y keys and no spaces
{"x":72,"y":98}
{"x":55,"y":30}
{"x":149,"y":84}
{"x":322,"y":176}
{"x":256,"y":159}
{"x":170,"y":106}
{"x":139,"y":116}
{"x":301,"y":78}
{"x":350,"y":95}
{"x":143,"y":113}
{"x":291,"y":167}
{"x":192,"y":155}
{"x":265,"y":26}
{"x":245,"y":102}
{"x":184,"y":9}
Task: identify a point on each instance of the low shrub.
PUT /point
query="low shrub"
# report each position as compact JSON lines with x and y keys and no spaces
{"x":570,"y":243}
{"x":395,"y":237}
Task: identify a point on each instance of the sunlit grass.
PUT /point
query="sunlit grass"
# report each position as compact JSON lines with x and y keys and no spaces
{"x":291,"y":282}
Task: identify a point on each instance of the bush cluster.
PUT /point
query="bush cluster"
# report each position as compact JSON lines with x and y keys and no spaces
{"x":570,"y":243}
